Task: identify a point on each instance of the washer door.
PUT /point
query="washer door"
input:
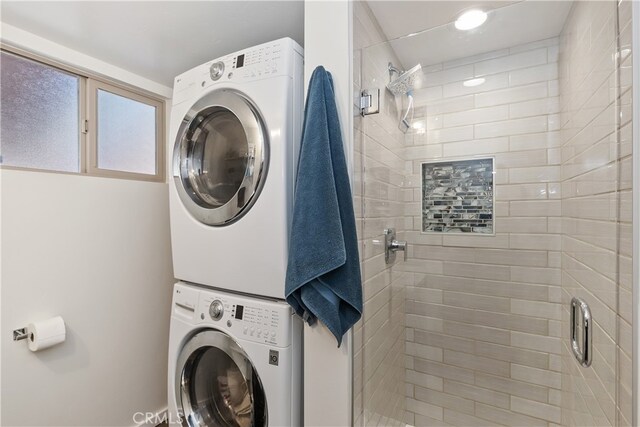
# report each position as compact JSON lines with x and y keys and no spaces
{"x":220,"y":157}
{"x":217,"y":385}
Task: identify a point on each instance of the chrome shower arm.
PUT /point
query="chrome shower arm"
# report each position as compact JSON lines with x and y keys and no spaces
{"x":393,"y":69}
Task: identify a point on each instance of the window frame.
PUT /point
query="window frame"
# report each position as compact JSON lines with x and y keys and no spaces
{"x":89,"y":84}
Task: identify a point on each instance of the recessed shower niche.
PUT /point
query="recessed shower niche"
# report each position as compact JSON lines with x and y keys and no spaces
{"x":457,"y":196}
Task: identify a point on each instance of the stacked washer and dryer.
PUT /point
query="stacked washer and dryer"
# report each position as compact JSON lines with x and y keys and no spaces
{"x":235,"y":346}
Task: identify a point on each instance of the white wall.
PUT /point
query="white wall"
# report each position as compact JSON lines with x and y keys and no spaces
{"x":327,"y":369}
{"x":97,"y":252}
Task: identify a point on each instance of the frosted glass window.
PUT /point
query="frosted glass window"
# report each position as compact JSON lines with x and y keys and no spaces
{"x":39,"y":115}
{"x":126,"y":134}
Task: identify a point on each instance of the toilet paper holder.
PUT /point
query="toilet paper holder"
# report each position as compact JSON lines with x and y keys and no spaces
{"x":20,"y":334}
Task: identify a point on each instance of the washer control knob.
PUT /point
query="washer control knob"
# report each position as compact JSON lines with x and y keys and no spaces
{"x":216,"y":310}
{"x":216,"y":70}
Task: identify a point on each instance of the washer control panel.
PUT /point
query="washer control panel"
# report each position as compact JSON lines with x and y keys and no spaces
{"x":267,"y":60}
{"x":247,"y":318}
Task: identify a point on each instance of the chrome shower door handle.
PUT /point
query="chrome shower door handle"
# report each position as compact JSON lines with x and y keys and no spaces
{"x":582,"y":353}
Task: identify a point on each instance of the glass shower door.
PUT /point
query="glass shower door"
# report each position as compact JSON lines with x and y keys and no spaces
{"x":507,"y":172}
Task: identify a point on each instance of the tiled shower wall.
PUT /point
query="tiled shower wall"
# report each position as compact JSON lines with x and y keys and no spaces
{"x":483,"y":313}
{"x":596,"y":208}
{"x":379,"y":173}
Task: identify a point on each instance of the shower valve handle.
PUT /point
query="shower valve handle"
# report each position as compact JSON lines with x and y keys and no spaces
{"x":397,"y":245}
{"x":391,"y":246}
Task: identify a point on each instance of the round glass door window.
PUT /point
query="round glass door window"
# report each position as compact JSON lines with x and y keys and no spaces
{"x":220,"y":158}
{"x":218,"y":385}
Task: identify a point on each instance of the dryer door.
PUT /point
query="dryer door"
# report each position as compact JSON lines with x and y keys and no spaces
{"x":220,"y":157}
{"x":217,"y":385}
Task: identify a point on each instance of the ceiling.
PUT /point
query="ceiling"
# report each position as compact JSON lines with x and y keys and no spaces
{"x":161,"y":39}
{"x":399,"y":18}
{"x":155,"y":39}
{"x":434,"y":39}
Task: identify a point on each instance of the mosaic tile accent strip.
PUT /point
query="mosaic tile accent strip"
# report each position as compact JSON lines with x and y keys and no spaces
{"x":457,"y":196}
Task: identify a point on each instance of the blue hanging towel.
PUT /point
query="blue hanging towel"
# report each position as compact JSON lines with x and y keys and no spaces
{"x":323,"y":274}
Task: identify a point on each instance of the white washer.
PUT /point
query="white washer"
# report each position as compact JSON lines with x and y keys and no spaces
{"x":233,"y":360}
{"x":235,"y":134}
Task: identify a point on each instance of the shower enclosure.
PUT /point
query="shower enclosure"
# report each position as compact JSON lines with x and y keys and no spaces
{"x":504,"y":163}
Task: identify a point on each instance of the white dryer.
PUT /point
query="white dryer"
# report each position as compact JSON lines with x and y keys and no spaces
{"x":233,"y":360}
{"x":235,"y":134}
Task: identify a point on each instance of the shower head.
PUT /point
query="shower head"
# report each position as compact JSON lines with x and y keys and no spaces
{"x":406,"y":80}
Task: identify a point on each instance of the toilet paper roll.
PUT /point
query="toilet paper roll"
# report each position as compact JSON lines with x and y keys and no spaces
{"x":45,"y":334}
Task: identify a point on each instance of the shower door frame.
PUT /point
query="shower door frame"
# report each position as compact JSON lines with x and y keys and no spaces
{"x":635,"y":46}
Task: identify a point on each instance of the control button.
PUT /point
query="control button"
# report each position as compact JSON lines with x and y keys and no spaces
{"x":216,"y":310}
{"x":273,"y":334}
{"x":216,"y":70}
{"x":252,"y":330}
{"x":244,"y":330}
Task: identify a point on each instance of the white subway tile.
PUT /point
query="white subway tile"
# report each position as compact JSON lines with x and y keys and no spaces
{"x":450,"y":105}
{"x":536,"y":107}
{"x":519,"y":159}
{"x":549,"y":242}
{"x":513,"y":387}
{"x":480,"y":115}
{"x":511,"y":62}
{"x":536,"y":308}
{"x":540,"y":73}
{"x":507,"y":417}
{"x":424,"y":351}
{"x":521,"y":225}
{"x":427,"y":409}
{"x":534,"y":141}
{"x":424,"y":96}
{"x":536,"y":342}
{"x":535,"y":208}
{"x":521,"y":192}
{"x":553,"y":41}
{"x":536,"y":409}
{"x":424,"y":380}
{"x":479,"y":146}
{"x":439,"y":78}
{"x":534,"y":174}
{"x":512,"y":95}
{"x":511,"y":127}
{"x":492,"y":83}
{"x":462,"y":133}
{"x":475,"y":58}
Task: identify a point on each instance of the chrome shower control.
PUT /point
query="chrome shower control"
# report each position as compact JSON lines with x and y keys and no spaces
{"x":216,"y":70}
{"x":391,"y":246}
{"x":216,"y":310}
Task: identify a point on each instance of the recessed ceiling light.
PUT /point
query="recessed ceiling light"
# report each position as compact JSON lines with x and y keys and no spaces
{"x":470,"y":19}
{"x":473,"y":82}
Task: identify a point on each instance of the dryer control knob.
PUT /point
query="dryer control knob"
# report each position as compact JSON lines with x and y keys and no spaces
{"x":216,"y":310}
{"x":217,"y":70}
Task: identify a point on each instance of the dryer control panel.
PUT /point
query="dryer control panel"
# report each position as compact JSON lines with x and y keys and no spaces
{"x":247,"y":318}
